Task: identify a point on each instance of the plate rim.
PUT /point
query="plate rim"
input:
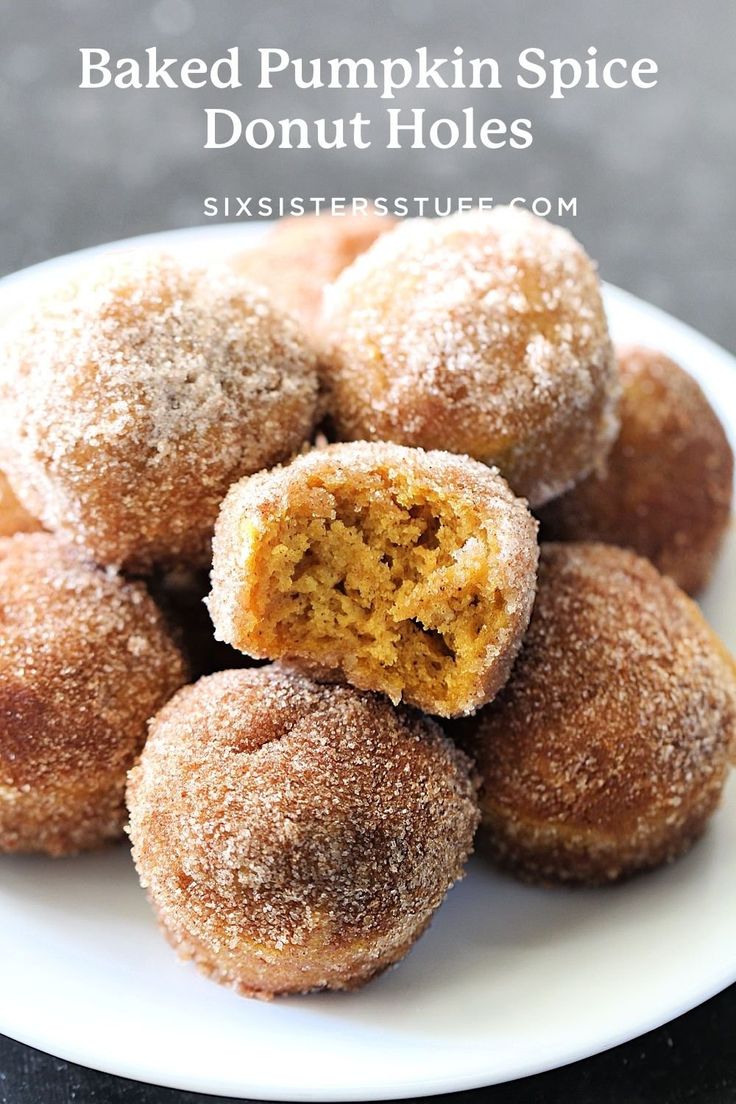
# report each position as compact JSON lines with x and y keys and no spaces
{"x":391,"y":1090}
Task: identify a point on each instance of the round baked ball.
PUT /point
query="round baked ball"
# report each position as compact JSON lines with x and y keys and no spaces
{"x":302,"y":254}
{"x":483,"y":334}
{"x":180,"y":594}
{"x":85,"y":660}
{"x":608,"y":748}
{"x":14,"y":518}
{"x":133,"y":396}
{"x":399,"y":570}
{"x":295,"y":836}
{"x":666,"y":488}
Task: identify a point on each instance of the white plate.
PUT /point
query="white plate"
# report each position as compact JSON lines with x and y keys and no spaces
{"x":509,"y":981}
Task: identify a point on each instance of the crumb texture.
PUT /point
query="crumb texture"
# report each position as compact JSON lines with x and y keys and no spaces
{"x":295,"y":836}
{"x":407,"y":572}
{"x":607,"y":750}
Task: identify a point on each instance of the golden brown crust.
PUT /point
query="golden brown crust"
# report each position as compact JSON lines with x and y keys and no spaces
{"x":267,"y":977}
{"x":295,"y":836}
{"x":482,"y":334}
{"x":302,"y":255}
{"x":14,"y":518}
{"x":607,"y":750}
{"x":85,"y":659}
{"x":373,"y":476}
{"x":133,"y":396}
{"x":666,"y":488}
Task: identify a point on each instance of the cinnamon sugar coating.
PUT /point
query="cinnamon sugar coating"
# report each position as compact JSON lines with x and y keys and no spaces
{"x":303,"y":254}
{"x":666,"y":488}
{"x":134,"y":394}
{"x":483,"y":334}
{"x":85,"y":660}
{"x":608,"y":748}
{"x":399,"y":570}
{"x":295,"y":836}
{"x":14,"y":518}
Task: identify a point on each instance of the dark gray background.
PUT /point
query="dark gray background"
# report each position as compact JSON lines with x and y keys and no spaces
{"x":654,"y":176}
{"x":653,"y":171}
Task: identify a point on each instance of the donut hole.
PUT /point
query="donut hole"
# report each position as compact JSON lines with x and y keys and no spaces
{"x":382,"y":578}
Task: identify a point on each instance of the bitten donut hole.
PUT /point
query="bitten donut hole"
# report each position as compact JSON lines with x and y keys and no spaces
{"x":388,"y":582}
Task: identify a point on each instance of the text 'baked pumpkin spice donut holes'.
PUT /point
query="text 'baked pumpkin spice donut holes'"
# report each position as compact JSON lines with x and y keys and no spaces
{"x":481,"y":333}
{"x":666,"y":486}
{"x":400,"y":570}
{"x":85,"y":660}
{"x":607,"y":750}
{"x":295,"y":836}
{"x":134,"y":394}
